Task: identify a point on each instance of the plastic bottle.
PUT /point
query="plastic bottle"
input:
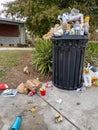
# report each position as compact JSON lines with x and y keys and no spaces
{"x":77,"y":28}
{"x":17,"y":123}
{"x":82,"y":31}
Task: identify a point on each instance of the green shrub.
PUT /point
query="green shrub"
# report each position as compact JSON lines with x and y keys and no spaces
{"x":42,"y":55}
{"x":92,"y":53}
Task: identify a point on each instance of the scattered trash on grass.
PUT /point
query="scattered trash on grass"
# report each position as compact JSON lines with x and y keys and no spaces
{"x":72,"y":23}
{"x":26,"y":70}
{"x":9,"y":93}
{"x":58,"y":118}
{"x":17,"y":123}
{"x":30,"y":87}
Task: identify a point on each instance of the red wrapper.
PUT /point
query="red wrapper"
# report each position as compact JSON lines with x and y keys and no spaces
{"x":3,"y":86}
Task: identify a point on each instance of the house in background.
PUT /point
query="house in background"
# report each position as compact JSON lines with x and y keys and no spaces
{"x":11,"y":32}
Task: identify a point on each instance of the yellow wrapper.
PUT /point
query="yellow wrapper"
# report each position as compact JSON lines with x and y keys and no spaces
{"x":87,"y":18}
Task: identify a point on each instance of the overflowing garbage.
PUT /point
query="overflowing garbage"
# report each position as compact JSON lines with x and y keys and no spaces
{"x":72,"y":23}
{"x":26,"y":70}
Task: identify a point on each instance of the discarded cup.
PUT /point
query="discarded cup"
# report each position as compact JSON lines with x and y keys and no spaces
{"x":43,"y":92}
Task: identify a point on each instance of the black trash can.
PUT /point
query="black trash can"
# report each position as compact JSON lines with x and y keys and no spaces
{"x":68,"y":59}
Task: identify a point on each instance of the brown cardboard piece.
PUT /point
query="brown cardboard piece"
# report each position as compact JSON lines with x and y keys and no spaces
{"x":33,"y":84}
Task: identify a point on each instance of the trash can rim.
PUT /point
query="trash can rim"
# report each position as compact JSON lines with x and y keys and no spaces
{"x":70,"y":37}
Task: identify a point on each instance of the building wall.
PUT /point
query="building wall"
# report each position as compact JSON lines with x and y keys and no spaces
{"x":9,"y":41}
{"x":9,"y":30}
{"x":11,"y":34}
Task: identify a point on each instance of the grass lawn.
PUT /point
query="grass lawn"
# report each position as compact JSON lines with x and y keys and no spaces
{"x":11,"y":58}
{"x":12,"y":64}
{"x":91,"y":54}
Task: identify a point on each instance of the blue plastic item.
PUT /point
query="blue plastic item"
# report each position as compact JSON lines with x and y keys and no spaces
{"x":17,"y":123}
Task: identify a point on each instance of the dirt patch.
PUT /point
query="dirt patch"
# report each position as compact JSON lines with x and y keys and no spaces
{"x":15,"y":75}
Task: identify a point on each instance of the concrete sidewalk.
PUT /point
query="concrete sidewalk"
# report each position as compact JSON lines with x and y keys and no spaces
{"x":14,"y":48}
{"x":78,"y":109}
